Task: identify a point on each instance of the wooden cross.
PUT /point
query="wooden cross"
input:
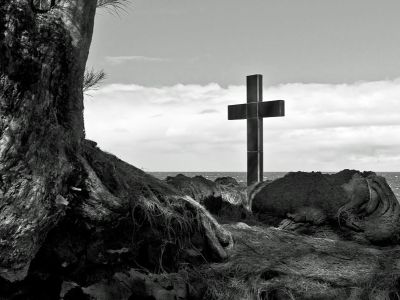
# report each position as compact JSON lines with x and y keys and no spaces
{"x":254,"y":111}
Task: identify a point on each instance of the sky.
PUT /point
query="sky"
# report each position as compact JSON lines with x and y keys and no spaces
{"x":174,"y":65}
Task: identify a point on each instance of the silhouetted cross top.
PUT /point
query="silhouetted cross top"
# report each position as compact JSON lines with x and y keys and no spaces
{"x":254,"y":111}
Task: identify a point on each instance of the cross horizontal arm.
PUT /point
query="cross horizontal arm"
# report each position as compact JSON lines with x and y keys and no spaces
{"x":271,"y":109}
{"x":252,"y":110}
{"x":237,"y":112}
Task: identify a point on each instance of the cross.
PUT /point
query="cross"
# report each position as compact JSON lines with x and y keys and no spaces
{"x":254,"y":111}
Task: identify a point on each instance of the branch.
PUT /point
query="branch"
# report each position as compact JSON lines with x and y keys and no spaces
{"x":114,"y":5}
{"x":92,"y":79}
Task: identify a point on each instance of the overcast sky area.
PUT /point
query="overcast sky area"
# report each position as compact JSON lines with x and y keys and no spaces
{"x":174,"y":66}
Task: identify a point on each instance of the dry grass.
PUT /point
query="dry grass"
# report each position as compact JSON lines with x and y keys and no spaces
{"x":157,"y":211}
{"x":266,"y":263}
{"x":274,"y":264}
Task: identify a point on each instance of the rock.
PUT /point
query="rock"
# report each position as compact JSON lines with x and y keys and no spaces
{"x":225,"y":197}
{"x":242,"y":225}
{"x":199,"y":188}
{"x":355,"y":205}
{"x":67,"y":287}
{"x":227,"y":181}
{"x":131,"y":285}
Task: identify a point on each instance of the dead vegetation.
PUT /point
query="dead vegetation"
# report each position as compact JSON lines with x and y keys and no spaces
{"x":268,"y":263}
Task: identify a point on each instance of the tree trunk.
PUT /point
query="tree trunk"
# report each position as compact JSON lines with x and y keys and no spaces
{"x":42,"y":62}
{"x":48,"y":172}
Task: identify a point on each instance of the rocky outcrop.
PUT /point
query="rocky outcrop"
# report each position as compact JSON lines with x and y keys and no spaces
{"x":224,"y":197}
{"x":349,"y":204}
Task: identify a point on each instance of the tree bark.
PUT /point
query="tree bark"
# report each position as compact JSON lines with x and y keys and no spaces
{"x":42,"y":63}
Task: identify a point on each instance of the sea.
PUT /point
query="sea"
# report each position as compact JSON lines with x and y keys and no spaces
{"x":392,"y":178}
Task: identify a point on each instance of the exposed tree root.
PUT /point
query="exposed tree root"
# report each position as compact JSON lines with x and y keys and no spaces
{"x":158,"y":203}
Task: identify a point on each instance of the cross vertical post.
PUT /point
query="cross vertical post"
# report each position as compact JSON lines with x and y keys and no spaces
{"x":254,"y":132}
{"x":254,"y":111}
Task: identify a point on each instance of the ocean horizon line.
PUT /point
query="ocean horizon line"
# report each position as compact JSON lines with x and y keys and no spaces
{"x":267,"y":171}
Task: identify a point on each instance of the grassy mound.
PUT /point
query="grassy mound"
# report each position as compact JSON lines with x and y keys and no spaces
{"x":268,"y":263}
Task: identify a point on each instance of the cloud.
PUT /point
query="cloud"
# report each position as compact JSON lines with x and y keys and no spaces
{"x":117,"y":60}
{"x":156,"y":116}
{"x":327,"y":126}
{"x":208,"y":111}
